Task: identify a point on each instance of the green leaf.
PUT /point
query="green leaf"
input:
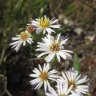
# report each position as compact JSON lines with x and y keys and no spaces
{"x":76,"y":63}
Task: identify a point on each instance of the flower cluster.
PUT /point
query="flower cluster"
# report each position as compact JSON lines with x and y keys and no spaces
{"x":68,"y":83}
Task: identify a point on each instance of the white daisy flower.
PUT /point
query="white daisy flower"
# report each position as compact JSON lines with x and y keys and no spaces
{"x":43,"y":76}
{"x":62,"y":90}
{"x":20,"y":39}
{"x":78,"y":82}
{"x":44,"y":24}
{"x":53,"y":47}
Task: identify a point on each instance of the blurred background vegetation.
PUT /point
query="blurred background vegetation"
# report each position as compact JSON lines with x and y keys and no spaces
{"x":78,"y":19}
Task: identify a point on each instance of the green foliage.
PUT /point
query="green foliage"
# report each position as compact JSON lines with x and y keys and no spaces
{"x":16,"y":14}
{"x":76,"y":63}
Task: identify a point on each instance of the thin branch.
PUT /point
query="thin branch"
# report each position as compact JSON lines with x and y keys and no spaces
{"x":2,"y":54}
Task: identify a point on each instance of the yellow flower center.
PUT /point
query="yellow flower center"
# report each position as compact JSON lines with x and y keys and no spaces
{"x":62,"y":95}
{"x":55,"y":47}
{"x":44,"y":22}
{"x":44,"y":75}
{"x":24,"y":36}
{"x":72,"y":83}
